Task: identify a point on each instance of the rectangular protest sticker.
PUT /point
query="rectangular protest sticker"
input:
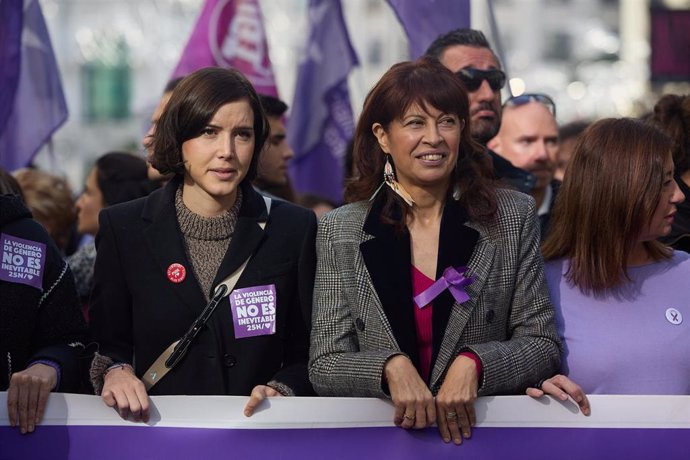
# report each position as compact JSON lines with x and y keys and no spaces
{"x":23,"y":261}
{"x":254,"y":310}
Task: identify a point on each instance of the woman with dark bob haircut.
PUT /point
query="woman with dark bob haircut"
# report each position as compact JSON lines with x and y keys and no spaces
{"x":207,"y":239}
{"x":620,"y":294}
{"x":430,"y":282}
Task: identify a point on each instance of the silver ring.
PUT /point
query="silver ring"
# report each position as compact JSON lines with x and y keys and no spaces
{"x":452,"y":415}
{"x":408,"y":417}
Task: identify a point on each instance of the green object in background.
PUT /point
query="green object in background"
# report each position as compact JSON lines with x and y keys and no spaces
{"x":107,"y":86}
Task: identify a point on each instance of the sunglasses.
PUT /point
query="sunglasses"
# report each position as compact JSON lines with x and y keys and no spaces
{"x":526,"y":98}
{"x":473,"y":78}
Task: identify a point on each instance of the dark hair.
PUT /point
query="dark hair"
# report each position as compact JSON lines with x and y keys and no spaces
{"x":9,"y":185}
{"x":172,"y":84}
{"x":572,"y":129}
{"x":672,"y":115}
{"x":609,"y":194}
{"x":464,"y":37}
{"x":425,"y":82}
{"x":122,"y":177}
{"x":273,"y":106}
{"x":192,"y":105}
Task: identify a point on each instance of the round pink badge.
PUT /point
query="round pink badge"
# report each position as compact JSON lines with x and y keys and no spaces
{"x":177,"y":273}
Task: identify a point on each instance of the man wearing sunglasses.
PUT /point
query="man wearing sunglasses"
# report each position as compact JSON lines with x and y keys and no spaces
{"x":467,"y":53}
{"x":528,"y":138}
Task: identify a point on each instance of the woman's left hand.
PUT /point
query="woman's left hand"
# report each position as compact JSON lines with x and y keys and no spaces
{"x":28,"y":394}
{"x":455,"y":401}
{"x":259,"y":393}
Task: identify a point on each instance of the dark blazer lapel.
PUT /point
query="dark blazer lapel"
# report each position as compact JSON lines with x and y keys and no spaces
{"x":479,"y":266}
{"x":247,"y":235}
{"x":387,"y":258}
{"x":456,"y":244}
{"x":165,"y":241}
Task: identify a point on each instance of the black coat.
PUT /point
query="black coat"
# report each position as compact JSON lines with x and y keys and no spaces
{"x":39,"y":324}
{"x":137,"y":312}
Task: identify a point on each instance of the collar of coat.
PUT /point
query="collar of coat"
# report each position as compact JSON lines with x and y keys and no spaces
{"x":165,"y":240}
{"x":387,"y":257}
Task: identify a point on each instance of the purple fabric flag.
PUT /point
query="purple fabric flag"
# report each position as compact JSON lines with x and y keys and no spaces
{"x":11,"y":16}
{"x":321,"y":122}
{"x":32,"y":104}
{"x":230,"y":34}
{"x":424,"y":20}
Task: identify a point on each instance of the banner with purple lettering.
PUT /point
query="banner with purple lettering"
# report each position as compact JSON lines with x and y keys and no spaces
{"x":80,"y":427}
{"x":32,"y":104}
{"x":321,"y":121}
{"x":230,"y":34}
{"x":424,"y":20}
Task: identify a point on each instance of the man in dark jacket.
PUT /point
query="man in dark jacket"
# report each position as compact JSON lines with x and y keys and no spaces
{"x":467,"y":53}
{"x":528,"y":138}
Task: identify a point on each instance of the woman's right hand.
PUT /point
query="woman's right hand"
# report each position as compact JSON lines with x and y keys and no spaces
{"x":560,"y":387}
{"x":414,"y":403}
{"x":125,"y":392}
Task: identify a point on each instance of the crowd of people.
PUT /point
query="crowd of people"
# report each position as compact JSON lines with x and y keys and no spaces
{"x":476,"y":254}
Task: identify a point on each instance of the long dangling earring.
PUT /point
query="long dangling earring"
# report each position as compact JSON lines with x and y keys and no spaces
{"x":390,"y":180}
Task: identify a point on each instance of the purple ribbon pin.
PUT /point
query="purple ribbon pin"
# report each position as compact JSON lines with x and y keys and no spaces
{"x":452,"y":279}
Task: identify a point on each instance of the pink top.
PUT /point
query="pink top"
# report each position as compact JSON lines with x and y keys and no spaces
{"x":424,"y":328}
{"x":422,"y":319}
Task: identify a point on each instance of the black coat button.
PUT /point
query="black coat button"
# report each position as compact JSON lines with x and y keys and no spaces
{"x":490,"y":315}
{"x":359,"y":323}
{"x":229,"y":360}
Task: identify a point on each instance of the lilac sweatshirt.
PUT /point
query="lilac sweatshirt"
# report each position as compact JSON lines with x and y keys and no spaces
{"x":634,"y":340}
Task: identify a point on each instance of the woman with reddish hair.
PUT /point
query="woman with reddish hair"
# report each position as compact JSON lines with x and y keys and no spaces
{"x":430,"y":282}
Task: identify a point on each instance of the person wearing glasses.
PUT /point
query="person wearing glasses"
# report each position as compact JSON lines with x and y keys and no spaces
{"x":620,"y":294}
{"x":528,"y":138}
{"x":430,"y":281}
{"x":467,"y":53}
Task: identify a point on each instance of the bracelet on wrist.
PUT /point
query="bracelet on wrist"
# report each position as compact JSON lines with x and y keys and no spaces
{"x":121,"y":366}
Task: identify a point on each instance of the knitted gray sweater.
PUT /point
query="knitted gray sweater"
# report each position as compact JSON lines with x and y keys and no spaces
{"x":206,"y":239}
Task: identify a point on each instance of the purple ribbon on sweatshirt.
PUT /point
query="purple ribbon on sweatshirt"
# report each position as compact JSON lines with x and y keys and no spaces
{"x":452,"y":279}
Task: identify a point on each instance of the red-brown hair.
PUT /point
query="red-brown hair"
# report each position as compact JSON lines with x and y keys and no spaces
{"x":425,"y":82}
{"x":610,"y":191}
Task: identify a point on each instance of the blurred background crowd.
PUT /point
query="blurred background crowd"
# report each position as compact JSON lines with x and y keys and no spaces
{"x":594,"y":57}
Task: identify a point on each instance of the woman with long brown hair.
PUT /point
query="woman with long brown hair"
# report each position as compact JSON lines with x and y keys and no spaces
{"x":430,"y":282}
{"x":620,"y":294}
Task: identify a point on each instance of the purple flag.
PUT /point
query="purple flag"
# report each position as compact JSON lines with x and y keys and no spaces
{"x":321,"y":122}
{"x":230,"y":34}
{"x":11,"y":16}
{"x":424,"y":20}
{"x":32,"y":105}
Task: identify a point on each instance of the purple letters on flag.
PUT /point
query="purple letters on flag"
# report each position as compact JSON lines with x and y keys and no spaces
{"x":424,"y":20}
{"x":230,"y":34}
{"x":321,"y":122}
{"x":32,"y":105}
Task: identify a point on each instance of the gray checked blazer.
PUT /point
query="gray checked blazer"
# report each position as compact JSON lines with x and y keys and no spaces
{"x":363,"y":309}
